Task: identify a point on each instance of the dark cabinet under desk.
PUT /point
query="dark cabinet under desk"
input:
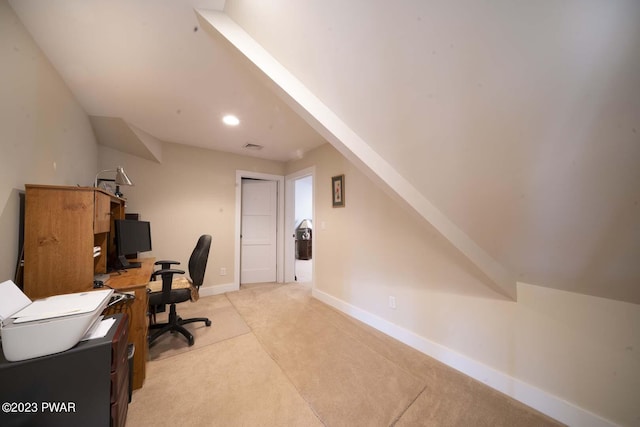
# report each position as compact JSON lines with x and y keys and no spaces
{"x":87,"y":385}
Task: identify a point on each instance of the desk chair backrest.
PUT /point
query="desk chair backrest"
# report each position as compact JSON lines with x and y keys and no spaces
{"x":198,"y":260}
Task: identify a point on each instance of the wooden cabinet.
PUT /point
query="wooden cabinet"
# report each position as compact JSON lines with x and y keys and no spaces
{"x":303,"y":249}
{"x":62,"y":227}
{"x":102,"y":213}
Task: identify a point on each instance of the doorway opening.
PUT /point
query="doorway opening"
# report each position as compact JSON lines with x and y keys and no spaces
{"x":299,"y":219}
{"x":303,"y":212}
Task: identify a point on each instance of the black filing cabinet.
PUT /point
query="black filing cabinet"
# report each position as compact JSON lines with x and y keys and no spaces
{"x":87,"y":385}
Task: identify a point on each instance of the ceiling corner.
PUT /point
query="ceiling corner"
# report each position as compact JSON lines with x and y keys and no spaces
{"x":116,"y":133}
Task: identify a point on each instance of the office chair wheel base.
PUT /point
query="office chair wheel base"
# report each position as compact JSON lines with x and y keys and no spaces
{"x":208,"y":323}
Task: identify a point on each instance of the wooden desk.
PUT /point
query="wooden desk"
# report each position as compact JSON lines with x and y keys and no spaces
{"x":135,"y":280}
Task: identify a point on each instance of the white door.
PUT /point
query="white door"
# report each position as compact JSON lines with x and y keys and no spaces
{"x":258,"y":231}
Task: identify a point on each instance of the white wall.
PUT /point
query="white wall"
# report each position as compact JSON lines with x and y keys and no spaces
{"x":192,"y":192}
{"x":45,"y":136}
{"x":581,"y":349}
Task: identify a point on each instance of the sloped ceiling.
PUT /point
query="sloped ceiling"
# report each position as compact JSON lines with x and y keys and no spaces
{"x":519,"y":121}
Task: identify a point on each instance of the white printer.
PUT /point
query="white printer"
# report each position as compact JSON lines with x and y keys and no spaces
{"x":46,"y":326}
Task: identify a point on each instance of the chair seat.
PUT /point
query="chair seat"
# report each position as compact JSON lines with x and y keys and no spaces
{"x":176,"y":296}
{"x":177,"y":283}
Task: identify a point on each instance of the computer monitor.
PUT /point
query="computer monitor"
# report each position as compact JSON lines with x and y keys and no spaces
{"x":132,"y":237}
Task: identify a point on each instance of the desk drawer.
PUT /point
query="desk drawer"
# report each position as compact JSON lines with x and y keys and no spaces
{"x":120,"y":407}
{"x":120,"y":381}
{"x":119,"y":344}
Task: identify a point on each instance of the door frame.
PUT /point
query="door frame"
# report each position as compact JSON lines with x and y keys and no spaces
{"x":279,"y":179}
{"x":289,"y":228}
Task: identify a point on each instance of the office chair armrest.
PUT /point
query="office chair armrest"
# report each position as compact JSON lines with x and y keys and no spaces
{"x":166,"y":263}
{"x":166,"y":272}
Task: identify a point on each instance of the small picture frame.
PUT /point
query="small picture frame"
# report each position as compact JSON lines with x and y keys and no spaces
{"x":337,"y":191}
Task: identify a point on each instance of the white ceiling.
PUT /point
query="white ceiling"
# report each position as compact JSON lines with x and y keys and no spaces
{"x":148,"y":63}
{"x":520,"y":121}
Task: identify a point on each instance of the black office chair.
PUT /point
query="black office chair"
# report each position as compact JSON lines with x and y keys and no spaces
{"x":168,"y":295}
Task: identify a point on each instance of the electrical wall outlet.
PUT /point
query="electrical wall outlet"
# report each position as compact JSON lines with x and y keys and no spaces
{"x":223,"y":271}
{"x":392,"y":302}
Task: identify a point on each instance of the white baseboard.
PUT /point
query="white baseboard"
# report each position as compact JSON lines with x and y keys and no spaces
{"x":532,"y":396}
{"x":207,"y":291}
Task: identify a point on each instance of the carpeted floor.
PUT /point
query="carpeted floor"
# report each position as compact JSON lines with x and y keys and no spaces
{"x":274,"y":356}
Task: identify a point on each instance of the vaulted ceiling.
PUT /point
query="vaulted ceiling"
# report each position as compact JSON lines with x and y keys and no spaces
{"x":517,"y":123}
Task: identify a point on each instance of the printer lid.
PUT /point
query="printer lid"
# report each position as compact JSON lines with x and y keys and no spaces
{"x":12,"y":299}
{"x":62,"y":305}
{"x":16,"y":305}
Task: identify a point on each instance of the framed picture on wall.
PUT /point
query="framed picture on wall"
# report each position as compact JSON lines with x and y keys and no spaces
{"x":337,"y":191}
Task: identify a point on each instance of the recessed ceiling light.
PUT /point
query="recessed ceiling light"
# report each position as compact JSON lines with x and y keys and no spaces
{"x":231,"y":120}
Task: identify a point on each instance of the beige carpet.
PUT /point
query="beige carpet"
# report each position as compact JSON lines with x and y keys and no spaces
{"x":225,"y":323}
{"x":305,"y":364}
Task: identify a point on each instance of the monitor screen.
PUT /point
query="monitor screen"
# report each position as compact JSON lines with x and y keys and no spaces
{"x":132,"y":236}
